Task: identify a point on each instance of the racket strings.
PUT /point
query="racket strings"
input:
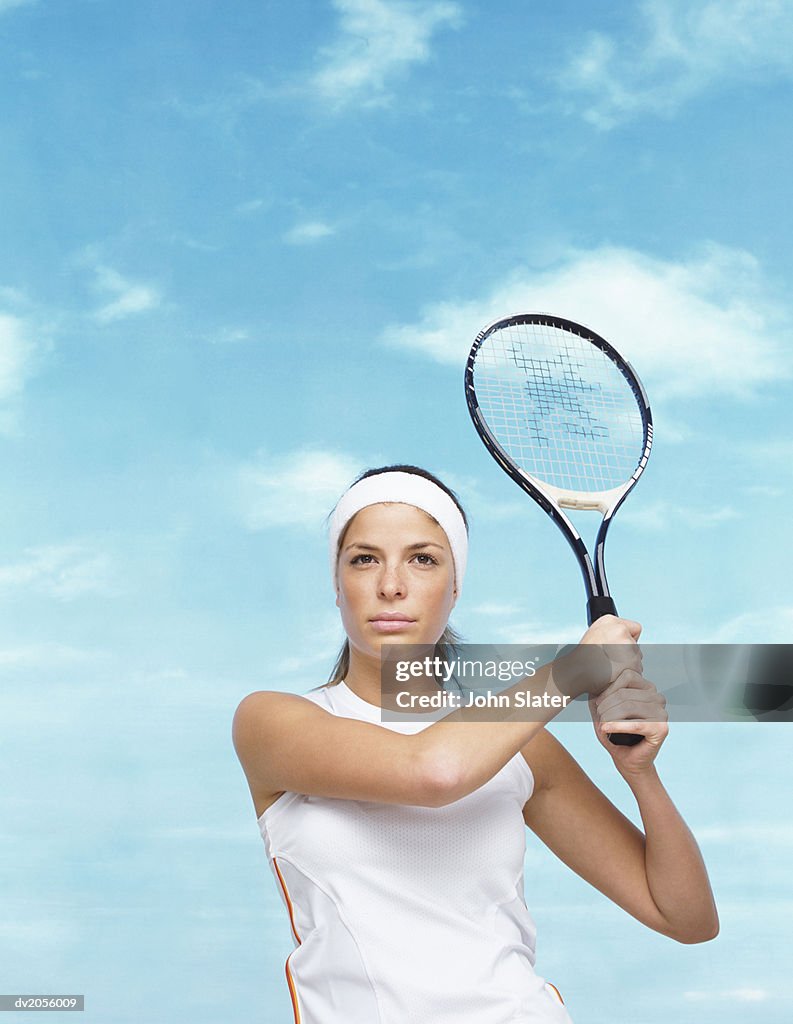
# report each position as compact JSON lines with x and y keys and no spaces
{"x":559,"y":406}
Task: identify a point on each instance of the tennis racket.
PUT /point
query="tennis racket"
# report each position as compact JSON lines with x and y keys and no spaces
{"x":566,"y":417}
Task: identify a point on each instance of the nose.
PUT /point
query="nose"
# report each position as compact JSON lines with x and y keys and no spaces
{"x":391,"y":582}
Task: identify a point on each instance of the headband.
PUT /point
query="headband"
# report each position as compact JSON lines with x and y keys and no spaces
{"x":406,"y":489}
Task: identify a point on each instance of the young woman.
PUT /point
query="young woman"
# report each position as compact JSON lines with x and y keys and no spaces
{"x":398,"y":846}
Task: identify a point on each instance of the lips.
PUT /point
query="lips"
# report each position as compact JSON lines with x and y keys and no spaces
{"x":391,"y":622}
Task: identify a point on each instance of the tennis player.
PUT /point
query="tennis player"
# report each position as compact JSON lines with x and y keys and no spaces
{"x":398,"y":847}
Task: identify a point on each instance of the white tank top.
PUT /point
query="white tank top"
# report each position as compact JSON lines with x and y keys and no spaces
{"x":405,"y":914}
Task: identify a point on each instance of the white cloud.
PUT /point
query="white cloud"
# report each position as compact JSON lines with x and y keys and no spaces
{"x":48,"y":655}
{"x":327,"y":636}
{"x":17,"y":350}
{"x":47,"y":934}
{"x":182,"y":238}
{"x":191,"y":834}
{"x":704,"y":326}
{"x":129,"y":297}
{"x":293,"y":489}
{"x":480,"y":503}
{"x":705,"y":517}
{"x":682,"y":48}
{"x":300,"y":488}
{"x":12,"y":296}
{"x":652,"y":516}
{"x":738,"y":995}
{"x":308,"y":232}
{"x":496,"y":609}
{"x":378,"y":40}
{"x":765,"y":491}
{"x":774,"y":833}
{"x":534,"y":632}
{"x":772,"y":625}
{"x":322,"y":657}
{"x":9,"y":5}
{"x":662,"y":515}
{"x":64,"y":571}
{"x":230,"y":335}
{"x":21,"y":349}
{"x":250,"y":206}
{"x":778,"y":451}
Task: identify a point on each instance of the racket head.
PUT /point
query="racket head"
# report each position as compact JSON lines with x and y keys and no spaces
{"x":560,"y":410}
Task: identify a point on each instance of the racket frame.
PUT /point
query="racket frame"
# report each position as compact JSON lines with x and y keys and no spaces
{"x":553,"y":500}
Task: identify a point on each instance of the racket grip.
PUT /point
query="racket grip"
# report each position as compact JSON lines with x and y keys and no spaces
{"x":599,"y":606}
{"x":624,"y":739}
{"x":595,"y":608}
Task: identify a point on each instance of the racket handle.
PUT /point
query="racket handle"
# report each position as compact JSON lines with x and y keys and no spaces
{"x":595,"y":608}
{"x":624,"y":739}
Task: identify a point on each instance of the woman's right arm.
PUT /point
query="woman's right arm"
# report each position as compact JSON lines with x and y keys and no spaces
{"x":287,"y":743}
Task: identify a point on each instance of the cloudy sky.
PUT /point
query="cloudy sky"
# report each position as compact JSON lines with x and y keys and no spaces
{"x":245,"y":249}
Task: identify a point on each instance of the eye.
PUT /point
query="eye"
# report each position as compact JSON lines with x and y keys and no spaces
{"x":431,"y":559}
{"x":357,"y":559}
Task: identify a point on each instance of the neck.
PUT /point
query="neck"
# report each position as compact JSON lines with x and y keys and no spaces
{"x":363,"y":677}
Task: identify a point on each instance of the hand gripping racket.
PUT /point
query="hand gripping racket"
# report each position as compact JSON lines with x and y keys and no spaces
{"x":567,"y":418}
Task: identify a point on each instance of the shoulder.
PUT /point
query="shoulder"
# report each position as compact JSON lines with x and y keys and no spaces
{"x":261,"y":700}
{"x":258,"y":711}
{"x":545,"y":756}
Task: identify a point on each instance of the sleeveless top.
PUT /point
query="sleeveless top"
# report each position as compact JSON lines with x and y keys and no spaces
{"x":404,"y":914}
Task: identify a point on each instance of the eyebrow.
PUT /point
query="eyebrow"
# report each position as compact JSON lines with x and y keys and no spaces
{"x":410,"y":547}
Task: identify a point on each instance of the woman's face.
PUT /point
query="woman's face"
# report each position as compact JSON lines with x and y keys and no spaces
{"x":394,"y":561}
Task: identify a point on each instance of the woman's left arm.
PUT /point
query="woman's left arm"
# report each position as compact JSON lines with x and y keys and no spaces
{"x":659,"y":877}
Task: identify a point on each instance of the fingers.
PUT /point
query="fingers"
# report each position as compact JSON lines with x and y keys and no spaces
{"x":631,"y":696}
{"x":652,"y":730}
{"x":609,"y":629}
{"x":628,"y":678}
{"x":634,"y":628}
{"x":631,"y":710}
{"x":631,"y":705}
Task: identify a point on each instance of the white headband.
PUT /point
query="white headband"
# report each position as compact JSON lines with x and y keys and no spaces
{"x":406,"y":489}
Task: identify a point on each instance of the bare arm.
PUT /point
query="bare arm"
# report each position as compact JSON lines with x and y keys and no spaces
{"x":285,"y":742}
{"x":659,"y":878}
{"x":676,"y":874}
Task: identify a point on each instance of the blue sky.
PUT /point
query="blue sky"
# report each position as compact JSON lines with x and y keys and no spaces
{"x":244,"y":252}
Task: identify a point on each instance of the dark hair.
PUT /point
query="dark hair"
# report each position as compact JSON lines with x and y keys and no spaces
{"x":445,"y":649}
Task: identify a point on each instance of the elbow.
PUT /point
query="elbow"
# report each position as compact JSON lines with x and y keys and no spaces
{"x":698,"y":937}
{"x":441,"y":784}
{"x":705,"y":933}
{"x":706,"y":936}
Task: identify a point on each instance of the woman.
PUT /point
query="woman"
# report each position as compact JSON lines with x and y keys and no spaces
{"x":398,"y":846}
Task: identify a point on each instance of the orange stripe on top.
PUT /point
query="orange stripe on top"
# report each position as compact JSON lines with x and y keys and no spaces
{"x":289,"y":979}
{"x":556,"y":990}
